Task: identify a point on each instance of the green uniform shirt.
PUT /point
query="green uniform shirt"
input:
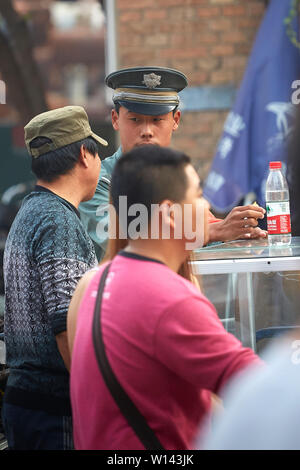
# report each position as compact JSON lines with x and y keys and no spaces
{"x":94,"y":213}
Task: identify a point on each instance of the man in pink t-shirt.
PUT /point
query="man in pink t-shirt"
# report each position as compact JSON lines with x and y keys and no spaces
{"x":163,"y":338}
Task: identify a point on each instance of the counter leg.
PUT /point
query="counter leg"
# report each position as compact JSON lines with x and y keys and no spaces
{"x":246,"y":310}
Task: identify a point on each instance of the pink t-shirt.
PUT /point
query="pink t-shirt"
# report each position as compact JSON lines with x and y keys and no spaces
{"x":167,"y":347}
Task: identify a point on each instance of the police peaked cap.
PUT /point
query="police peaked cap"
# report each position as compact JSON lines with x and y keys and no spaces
{"x":147,"y":90}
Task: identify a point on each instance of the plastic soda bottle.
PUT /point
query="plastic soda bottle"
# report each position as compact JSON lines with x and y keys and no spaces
{"x":278,"y":206}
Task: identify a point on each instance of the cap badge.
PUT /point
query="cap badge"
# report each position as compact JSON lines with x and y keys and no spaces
{"x":151,"y":80}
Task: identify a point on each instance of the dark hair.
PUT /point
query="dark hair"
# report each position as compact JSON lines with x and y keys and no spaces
{"x":117,"y":107}
{"x":116,"y":244}
{"x":293,"y":175}
{"x":149,"y":174}
{"x":58,"y":162}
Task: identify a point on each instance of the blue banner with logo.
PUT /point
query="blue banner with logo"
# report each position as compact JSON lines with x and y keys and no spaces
{"x":258,"y":127}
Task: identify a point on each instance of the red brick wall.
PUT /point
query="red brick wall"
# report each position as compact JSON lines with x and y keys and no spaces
{"x":208,"y":40}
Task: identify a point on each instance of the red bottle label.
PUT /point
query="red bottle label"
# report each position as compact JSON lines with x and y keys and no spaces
{"x":278,"y":217}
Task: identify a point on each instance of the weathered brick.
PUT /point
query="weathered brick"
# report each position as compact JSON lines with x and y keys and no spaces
{"x":218,"y":125}
{"x":234,"y":37}
{"x":187,"y":66}
{"x":172,"y":3}
{"x":191,"y":39}
{"x":208,"y":12}
{"x":191,"y":124}
{"x":220,"y":24}
{"x":236,"y":61}
{"x":243,"y":49}
{"x":222,"y":2}
{"x":156,"y":40}
{"x":208,"y":63}
{"x":222,"y":50}
{"x":155,"y":14}
{"x":182,"y":14}
{"x":186,"y":144}
{"x":234,"y":10}
{"x":128,"y":16}
{"x":178,"y":39}
{"x":247,"y":22}
{"x":141,"y":28}
{"x":185,"y":53}
{"x":130,"y":40}
{"x":136,"y":56}
{"x":208,"y":116}
{"x":135,"y":4}
{"x":198,"y":78}
{"x":255,"y":8}
{"x":222,"y":76}
{"x":205,"y":37}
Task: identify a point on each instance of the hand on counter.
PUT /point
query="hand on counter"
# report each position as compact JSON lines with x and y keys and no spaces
{"x":240,"y":223}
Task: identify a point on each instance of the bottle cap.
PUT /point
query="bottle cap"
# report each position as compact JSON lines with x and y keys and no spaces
{"x":275,"y":165}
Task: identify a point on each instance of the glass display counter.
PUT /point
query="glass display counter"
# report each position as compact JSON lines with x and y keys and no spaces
{"x":254,"y":288}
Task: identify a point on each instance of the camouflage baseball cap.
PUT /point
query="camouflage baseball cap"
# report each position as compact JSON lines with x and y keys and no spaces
{"x":63,"y":126}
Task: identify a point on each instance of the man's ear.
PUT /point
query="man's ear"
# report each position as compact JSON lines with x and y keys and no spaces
{"x":115,"y":119}
{"x":83,"y":157}
{"x":176,"y":119}
{"x":168,"y":215}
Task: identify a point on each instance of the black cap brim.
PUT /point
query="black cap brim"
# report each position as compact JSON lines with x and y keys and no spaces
{"x":148,"y":109}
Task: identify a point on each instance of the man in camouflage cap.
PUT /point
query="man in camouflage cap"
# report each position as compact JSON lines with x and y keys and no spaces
{"x":47,"y":252}
{"x":146,"y":111}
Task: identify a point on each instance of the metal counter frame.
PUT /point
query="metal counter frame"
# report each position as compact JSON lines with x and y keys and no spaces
{"x":241,"y":271}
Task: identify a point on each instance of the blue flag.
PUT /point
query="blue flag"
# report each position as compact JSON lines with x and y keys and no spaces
{"x":259,"y":125}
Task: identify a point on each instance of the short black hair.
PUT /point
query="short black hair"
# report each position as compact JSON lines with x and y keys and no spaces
{"x":148,"y":175}
{"x":51,"y":165}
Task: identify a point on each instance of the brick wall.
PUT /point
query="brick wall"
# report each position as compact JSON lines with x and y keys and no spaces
{"x":208,"y":40}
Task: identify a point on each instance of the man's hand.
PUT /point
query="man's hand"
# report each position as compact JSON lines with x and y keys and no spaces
{"x":240,"y":223}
